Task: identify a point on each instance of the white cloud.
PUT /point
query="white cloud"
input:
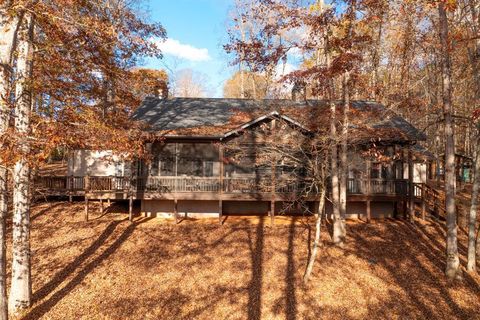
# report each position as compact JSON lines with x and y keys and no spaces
{"x":295,"y":52}
{"x":184,"y":51}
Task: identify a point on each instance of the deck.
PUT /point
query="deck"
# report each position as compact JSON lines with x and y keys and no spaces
{"x":227,"y":189}
{"x":214,"y":188}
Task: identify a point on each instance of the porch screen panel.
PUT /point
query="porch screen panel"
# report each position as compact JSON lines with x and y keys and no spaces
{"x":197,"y":159}
{"x":208,"y":167}
{"x":163,"y":163}
{"x":167,"y":167}
{"x":154,"y":166}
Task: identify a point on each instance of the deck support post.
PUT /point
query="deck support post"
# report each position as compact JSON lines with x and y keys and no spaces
{"x":101,"y":206}
{"x":86,"y":208}
{"x":424,"y":204}
{"x":411,"y":195}
{"x":69,"y":186}
{"x":130,"y":208}
{"x":424,"y":209}
{"x":175,"y":210}
{"x":108,"y":202}
{"x":369,"y":187}
{"x":220,"y":211}
{"x":272,"y":212}
{"x":369,"y":212}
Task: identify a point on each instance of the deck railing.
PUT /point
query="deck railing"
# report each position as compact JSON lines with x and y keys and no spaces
{"x":247,"y":185}
{"x":212,"y":184}
{"x":378,"y":186}
{"x":176,"y":184}
{"x":59,"y":183}
{"x":431,"y":198}
{"x":102,"y":183}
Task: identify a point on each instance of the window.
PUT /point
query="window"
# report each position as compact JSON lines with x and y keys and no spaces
{"x":385,"y":173}
{"x":118,"y":169}
{"x":375,"y":171}
{"x":139,"y":168}
{"x":379,"y":171}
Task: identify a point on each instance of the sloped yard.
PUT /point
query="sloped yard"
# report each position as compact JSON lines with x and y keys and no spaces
{"x":109,"y":268}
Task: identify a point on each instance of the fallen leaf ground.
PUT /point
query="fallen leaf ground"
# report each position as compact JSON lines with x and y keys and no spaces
{"x":109,"y":268}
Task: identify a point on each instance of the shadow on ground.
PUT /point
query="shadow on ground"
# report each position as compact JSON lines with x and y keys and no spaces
{"x":149,"y":269}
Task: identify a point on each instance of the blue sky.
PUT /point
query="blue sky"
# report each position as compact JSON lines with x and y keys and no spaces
{"x":196,"y":30}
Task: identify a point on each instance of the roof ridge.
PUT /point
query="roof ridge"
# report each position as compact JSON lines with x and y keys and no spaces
{"x":260,"y":100}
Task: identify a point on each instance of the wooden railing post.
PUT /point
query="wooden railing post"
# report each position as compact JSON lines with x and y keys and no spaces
{"x":369,"y":180}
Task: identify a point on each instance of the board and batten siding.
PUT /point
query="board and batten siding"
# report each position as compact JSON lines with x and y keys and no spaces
{"x":95,"y":163}
{"x":419,"y":172}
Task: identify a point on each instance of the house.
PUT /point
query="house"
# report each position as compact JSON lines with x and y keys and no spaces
{"x":463,"y":168}
{"x":191,"y":173}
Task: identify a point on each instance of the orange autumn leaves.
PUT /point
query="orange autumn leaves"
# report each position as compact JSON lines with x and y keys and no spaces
{"x":83,"y":76}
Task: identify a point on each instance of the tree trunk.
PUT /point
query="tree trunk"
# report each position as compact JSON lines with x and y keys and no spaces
{"x":316,"y":242}
{"x":474,"y":53}
{"x":344,"y":154}
{"x":21,"y":290}
{"x":7,"y":36}
{"x":471,"y":260}
{"x":344,"y":137}
{"x":453,"y":264}
{"x":337,"y":219}
{"x":344,"y":146}
{"x":376,"y":61}
{"x":242,"y":58}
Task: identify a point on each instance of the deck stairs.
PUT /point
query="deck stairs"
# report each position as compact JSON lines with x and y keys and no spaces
{"x":433,"y":195}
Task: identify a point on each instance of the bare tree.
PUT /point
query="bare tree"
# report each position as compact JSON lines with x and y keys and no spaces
{"x":57,"y":25}
{"x":453,"y":263}
{"x":317,"y":238}
{"x":350,"y":17}
{"x":474,"y":57}
{"x":191,"y":84}
{"x":471,"y":257}
{"x":235,"y":87}
{"x":8,"y":26}
{"x":21,"y":289}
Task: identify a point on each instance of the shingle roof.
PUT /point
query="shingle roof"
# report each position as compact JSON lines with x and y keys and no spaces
{"x":217,"y":116}
{"x":422,"y":153}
